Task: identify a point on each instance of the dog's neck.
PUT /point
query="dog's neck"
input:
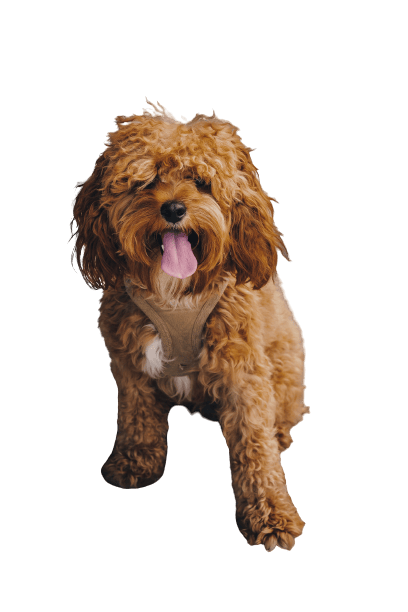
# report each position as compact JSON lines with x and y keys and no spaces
{"x":171,"y":292}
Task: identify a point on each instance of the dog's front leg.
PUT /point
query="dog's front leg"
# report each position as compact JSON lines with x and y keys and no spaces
{"x":139,"y":455}
{"x":265,"y":512}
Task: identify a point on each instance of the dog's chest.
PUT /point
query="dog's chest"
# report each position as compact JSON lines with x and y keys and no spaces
{"x":180,"y":330}
{"x":180,"y":334}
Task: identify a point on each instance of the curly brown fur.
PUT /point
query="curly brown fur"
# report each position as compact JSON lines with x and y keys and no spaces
{"x":249,"y":373}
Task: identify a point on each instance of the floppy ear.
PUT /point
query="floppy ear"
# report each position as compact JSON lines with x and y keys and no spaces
{"x":95,"y":247}
{"x":254,"y":236}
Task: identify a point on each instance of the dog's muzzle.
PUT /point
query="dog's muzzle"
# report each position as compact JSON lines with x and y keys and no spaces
{"x":173,"y":211}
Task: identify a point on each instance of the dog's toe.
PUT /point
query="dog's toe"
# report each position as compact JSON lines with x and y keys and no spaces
{"x":283,"y":539}
{"x":270,"y":542}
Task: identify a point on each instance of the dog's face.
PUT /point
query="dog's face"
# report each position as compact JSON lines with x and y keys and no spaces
{"x":190,"y":188}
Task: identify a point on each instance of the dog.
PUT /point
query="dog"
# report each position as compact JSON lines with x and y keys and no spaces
{"x":176,"y":229}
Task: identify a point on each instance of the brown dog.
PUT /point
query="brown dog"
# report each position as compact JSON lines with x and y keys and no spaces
{"x":176,"y":229}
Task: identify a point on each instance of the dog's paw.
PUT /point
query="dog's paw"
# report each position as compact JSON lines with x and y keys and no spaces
{"x":264,"y":524}
{"x":283,"y":539}
{"x":125,"y":473}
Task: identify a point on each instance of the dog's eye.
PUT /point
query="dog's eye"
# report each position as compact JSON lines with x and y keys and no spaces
{"x":153,"y":183}
{"x":201,"y":183}
{"x":138,"y":185}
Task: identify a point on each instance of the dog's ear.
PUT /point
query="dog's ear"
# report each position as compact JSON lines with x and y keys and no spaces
{"x":255,"y":239}
{"x":95,"y":248}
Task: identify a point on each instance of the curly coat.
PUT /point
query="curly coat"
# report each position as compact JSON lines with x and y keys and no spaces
{"x":249,"y":374}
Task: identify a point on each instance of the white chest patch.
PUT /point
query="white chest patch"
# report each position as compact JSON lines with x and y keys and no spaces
{"x":155,"y":362}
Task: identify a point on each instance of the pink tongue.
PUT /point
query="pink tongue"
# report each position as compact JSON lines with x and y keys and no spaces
{"x":178,"y":258}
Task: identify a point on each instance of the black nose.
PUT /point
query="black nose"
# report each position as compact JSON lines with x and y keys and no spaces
{"x":173,"y":211}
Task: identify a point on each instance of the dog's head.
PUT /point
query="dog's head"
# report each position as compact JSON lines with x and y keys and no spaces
{"x":191,"y":185}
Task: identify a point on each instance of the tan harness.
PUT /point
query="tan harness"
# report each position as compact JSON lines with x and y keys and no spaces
{"x":181,"y":330}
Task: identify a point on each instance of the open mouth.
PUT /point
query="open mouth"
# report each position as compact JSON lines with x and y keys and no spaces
{"x":192,"y":237}
{"x":178,"y":259}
